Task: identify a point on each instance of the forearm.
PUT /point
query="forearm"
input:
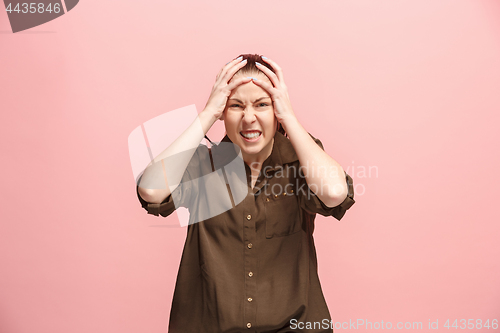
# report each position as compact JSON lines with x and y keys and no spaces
{"x":324,"y":176}
{"x":162,"y":176}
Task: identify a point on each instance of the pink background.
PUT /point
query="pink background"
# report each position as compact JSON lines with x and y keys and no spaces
{"x":410,"y":88}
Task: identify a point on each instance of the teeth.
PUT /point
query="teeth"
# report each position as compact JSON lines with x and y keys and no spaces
{"x":250,"y":135}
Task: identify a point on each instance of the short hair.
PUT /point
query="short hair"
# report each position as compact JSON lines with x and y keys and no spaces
{"x":250,"y":66}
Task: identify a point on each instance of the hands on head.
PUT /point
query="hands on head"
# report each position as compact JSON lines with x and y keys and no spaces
{"x":223,"y":86}
{"x":263,"y":71}
{"x":264,"y":102}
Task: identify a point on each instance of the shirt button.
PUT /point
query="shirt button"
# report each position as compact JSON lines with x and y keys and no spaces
{"x":249,"y":217}
{"x":249,"y":299}
{"x":250,"y":274}
{"x":249,"y":325}
{"x":249,"y":245}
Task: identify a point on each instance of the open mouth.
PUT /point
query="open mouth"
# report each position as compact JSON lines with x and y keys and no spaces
{"x":251,"y":135}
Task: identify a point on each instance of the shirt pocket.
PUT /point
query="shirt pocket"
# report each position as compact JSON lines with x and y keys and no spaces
{"x":282,"y":214}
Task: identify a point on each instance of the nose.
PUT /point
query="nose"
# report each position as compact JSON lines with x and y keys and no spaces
{"x":249,"y":114}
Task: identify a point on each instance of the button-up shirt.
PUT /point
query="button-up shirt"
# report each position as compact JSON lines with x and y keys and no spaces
{"x":252,"y":268}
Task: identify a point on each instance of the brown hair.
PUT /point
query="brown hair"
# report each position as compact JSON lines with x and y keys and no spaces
{"x":251,"y":68}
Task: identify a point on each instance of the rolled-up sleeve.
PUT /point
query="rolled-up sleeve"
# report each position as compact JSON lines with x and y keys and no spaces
{"x":178,"y":198}
{"x":182,"y":195}
{"x":311,"y":203}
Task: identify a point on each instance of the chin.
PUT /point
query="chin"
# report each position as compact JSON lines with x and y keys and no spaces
{"x":251,"y":151}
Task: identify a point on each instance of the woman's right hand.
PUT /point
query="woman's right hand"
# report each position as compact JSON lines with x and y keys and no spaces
{"x":222,"y":88}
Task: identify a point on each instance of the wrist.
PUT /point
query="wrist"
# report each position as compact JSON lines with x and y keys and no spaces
{"x":290,"y":123}
{"x":207,"y":119}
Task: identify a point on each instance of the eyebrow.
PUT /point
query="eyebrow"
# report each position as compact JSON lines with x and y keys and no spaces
{"x":237,"y":100}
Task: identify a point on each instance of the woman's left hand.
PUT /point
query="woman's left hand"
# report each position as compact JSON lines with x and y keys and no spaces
{"x":279,"y":93}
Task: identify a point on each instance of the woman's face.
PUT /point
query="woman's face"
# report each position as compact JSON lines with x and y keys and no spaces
{"x":252,"y":130}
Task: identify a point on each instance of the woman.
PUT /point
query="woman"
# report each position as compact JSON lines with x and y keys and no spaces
{"x":251,"y":268}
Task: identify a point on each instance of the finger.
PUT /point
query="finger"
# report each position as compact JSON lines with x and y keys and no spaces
{"x":266,"y":86}
{"x":238,"y":82}
{"x":230,"y":72}
{"x":217,"y":77}
{"x":227,"y":67}
{"x":269,"y":73}
{"x":276,"y":68}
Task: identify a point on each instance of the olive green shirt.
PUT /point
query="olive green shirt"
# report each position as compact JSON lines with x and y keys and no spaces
{"x":252,"y":268}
